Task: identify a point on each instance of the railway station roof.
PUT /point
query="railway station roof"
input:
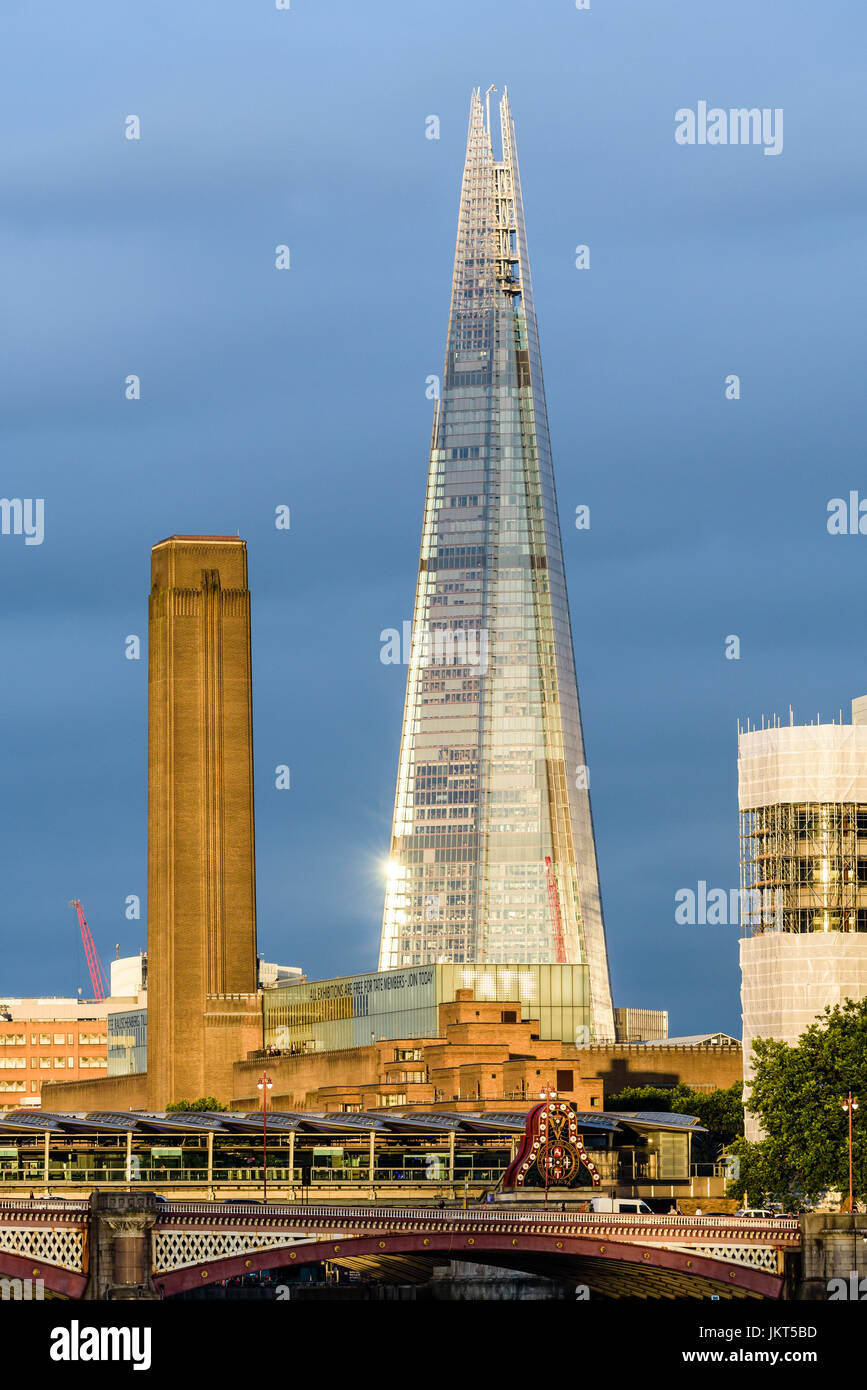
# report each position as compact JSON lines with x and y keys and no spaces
{"x":317,"y":1122}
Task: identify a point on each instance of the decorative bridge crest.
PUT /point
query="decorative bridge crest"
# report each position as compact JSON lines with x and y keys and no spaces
{"x":551,"y":1152}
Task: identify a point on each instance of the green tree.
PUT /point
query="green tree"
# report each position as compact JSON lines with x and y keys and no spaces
{"x":721,"y":1111}
{"x":797,"y":1094}
{"x":203,"y":1103}
{"x":641,"y":1098}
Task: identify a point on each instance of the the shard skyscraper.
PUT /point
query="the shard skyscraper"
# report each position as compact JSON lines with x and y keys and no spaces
{"x":493,"y":856}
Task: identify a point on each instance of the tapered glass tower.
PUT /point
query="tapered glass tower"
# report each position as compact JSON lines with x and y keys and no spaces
{"x":493,"y":857}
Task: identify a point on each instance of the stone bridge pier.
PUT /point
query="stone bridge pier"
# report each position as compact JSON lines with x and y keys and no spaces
{"x":834,"y":1246}
{"x":120,"y":1245}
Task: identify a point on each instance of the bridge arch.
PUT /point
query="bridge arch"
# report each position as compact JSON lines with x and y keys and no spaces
{"x":558,"y":1255}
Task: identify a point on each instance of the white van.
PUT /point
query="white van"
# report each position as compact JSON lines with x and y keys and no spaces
{"x":627,"y":1206}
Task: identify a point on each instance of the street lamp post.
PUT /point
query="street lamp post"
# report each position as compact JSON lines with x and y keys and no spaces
{"x":547,"y":1095}
{"x":264,"y":1084}
{"x":850,"y":1104}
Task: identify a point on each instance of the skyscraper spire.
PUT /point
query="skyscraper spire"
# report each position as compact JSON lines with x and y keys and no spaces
{"x":492,"y":778}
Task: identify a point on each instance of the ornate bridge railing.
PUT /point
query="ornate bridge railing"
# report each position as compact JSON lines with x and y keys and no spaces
{"x":45,"y":1241}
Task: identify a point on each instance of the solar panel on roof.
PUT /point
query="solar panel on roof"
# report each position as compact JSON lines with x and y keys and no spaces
{"x":496,"y":1121}
{"x":107,"y":1119}
{"x":194,"y":1121}
{"x":428,"y":1122}
{"x":670,"y":1118}
{"x":586,"y":1120}
{"x":353,"y":1120}
{"x":182,"y":1119}
{"x":451,"y":1117}
{"x":252,"y":1122}
{"x":283,"y":1120}
{"x":276,"y":1120}
{"x":26,"y":1119}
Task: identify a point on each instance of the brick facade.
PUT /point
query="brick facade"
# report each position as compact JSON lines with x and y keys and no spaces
{"x":479,"y":1062}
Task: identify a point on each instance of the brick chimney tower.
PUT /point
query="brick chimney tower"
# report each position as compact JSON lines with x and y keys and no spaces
{"x":203,"y":1008}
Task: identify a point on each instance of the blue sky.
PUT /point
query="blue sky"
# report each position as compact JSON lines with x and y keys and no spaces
{"x":307,"y":388}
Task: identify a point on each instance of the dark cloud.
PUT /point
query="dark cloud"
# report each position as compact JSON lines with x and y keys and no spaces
{"x":307,"y":388}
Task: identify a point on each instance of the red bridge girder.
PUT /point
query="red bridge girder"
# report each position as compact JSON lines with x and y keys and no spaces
{"x":739,"y":1279}
{"x":54,"y":1278}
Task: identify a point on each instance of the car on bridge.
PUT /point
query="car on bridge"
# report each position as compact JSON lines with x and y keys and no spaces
{"x":631,"y":1206}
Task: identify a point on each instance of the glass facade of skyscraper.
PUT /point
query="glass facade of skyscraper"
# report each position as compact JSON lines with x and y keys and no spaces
{"x":493,"y":856}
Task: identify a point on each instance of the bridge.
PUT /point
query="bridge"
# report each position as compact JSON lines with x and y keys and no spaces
{"x":132,"y":1245}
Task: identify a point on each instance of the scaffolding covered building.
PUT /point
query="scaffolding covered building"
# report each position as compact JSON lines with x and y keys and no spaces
{"x":802,"y":795}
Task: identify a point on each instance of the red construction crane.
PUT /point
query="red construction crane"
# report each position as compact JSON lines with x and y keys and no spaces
{"x":554,"y":900}
{"x":94,"y":965}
